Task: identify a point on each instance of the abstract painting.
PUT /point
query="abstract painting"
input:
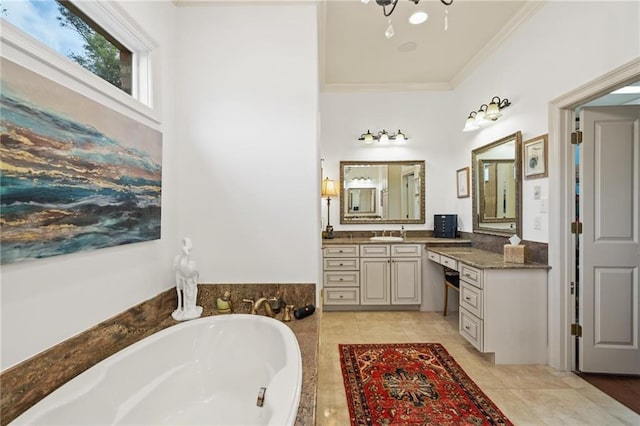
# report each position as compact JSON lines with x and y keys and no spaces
{"x":75,"y":175}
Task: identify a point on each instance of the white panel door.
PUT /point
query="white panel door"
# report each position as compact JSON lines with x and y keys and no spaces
{"x":374,"y":281}
{"x":609,"y":301}
{"x":406,"y":281}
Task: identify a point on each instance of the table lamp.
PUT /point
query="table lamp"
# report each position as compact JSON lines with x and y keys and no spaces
{"x":329,"y":190}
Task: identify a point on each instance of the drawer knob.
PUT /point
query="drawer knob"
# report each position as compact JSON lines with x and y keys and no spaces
{"x":466,"y":327}
{"x":467,"y":298}
{"x":339,"y":251}
{"x":341,"y":296}
{"x":341,"y":279}
{"x":341,"y":264}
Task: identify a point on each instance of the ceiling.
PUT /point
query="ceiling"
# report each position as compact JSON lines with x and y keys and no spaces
{"x":355,"y":54}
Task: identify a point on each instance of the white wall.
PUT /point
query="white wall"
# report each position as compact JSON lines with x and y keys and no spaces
{"x":47,"y":301}
{"x":563,"y":46}
{"x":248,"y":164}
{"x":423,"y":116}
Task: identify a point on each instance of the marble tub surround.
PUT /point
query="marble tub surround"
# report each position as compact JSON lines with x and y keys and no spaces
{"x":534,"y":251}
{"x":484,"y":259}
{"x":298,"y":294}
{"x":25,"y":384}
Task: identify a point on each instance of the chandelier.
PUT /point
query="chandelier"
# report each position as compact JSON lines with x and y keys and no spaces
{"x":388,"y":6}
{"x":393,"y":3}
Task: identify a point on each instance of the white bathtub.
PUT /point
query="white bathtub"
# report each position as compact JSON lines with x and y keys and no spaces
{"x":202,"y":372}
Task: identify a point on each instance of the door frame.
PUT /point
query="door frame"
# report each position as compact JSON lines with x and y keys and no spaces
{"x":561,"y":306}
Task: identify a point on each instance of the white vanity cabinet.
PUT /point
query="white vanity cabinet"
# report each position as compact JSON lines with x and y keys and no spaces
{"x":503,"y":307}
{"x":375,"y":275}
{"x":391,"y":274}
{"x":504,"y":311}
{"x":341,"y":275}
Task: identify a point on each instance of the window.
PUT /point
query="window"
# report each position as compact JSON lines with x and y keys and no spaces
{"x":66,"y":29}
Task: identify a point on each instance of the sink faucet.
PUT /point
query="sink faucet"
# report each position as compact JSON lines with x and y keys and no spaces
{"x":255,"y":306}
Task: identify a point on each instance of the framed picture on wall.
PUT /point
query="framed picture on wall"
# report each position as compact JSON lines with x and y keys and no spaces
{"x":463,"y":182}
{"x":535,"y":157}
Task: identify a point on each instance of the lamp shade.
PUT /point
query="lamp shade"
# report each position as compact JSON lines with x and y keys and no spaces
{"x":329,"y":188}
{"x":493,"y":112}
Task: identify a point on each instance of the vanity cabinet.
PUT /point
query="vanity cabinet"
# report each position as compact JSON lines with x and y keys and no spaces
{"x":381,"y":275}
{"x":390,"y":274}
{"x":504,"y":311}
{"x":341,"y":275}
{"x":503,"y":308}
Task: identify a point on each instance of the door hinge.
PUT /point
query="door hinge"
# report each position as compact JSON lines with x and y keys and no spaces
{"x":576,"y":137}
{"x":576,"y":330}
{"x":576,"y":227}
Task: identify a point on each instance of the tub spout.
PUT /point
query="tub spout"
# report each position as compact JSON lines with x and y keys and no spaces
{"x":263,"y":302}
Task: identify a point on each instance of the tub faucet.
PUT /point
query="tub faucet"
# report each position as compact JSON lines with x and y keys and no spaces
{"x":262,"y":302}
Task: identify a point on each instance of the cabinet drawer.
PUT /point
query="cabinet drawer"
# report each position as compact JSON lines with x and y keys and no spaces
{"x":338,"y":264}
{"x":471,"y":275}
{"x":471,"y":328}
{"x":342,"y":296}
{"x":375,"y":250}
{"x":341,"y":251}
{"x":433,"y":256}
{"x":449,"y":263}
{"x":342,"y":279}
{"x":471,"y":298}
{"x":406,"y":250}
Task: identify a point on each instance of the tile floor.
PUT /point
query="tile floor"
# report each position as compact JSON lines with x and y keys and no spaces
{"x":527,"y":394}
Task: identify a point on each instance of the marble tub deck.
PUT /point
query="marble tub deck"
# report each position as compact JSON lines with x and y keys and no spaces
{"x":23,"y":385}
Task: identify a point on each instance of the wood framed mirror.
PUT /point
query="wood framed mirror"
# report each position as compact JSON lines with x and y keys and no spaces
{"x":382,"y":192}
{"x":497,"y":187}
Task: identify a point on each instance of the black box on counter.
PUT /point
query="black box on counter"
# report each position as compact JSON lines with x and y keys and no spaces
{"x":445,"y":225}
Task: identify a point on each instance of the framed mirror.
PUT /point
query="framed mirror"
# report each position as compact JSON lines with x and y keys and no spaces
{"x":382,"y":192}
{"x":497,"y":187}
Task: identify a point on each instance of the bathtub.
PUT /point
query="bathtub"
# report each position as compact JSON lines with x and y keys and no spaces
{"x":207,"y":371}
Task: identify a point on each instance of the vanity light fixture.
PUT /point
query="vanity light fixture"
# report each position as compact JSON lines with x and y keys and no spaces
{"x":383,"y":137}
{"x":329,"y":190}
{"x":486,"y":114}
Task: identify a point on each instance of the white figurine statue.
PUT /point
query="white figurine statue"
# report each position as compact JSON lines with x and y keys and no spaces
{"x":186,"y":284}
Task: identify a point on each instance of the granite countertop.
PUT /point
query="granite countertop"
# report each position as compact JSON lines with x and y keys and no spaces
{"x":409,"y":240}
{"x":307,"y":331}
{"x":483,"y":259}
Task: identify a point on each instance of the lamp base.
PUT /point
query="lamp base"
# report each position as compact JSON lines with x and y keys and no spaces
{"x":328,"y":233}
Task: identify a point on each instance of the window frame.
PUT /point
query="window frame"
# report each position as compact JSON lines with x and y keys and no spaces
{"x":112,"y":18}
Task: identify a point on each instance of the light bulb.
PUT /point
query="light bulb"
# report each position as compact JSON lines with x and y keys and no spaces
{"x":418,"y":17}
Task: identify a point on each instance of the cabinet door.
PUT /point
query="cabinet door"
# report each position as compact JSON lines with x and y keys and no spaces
{"x":406,"y":279}
{"x":374,"y":281}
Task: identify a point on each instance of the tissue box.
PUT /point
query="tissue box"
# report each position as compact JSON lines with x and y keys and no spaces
{"x":514,"y":254}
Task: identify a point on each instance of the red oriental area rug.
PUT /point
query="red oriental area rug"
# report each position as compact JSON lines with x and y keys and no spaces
{"x":412,"y":384}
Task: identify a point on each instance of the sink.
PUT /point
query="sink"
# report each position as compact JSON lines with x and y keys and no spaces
{"x":386,"y":239}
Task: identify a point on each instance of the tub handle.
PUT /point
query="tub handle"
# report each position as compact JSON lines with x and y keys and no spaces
{"x":261,"y":393}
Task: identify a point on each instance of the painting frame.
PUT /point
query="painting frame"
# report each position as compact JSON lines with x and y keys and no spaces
{"x":536,"y":157}
{"x":462,"y":182}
